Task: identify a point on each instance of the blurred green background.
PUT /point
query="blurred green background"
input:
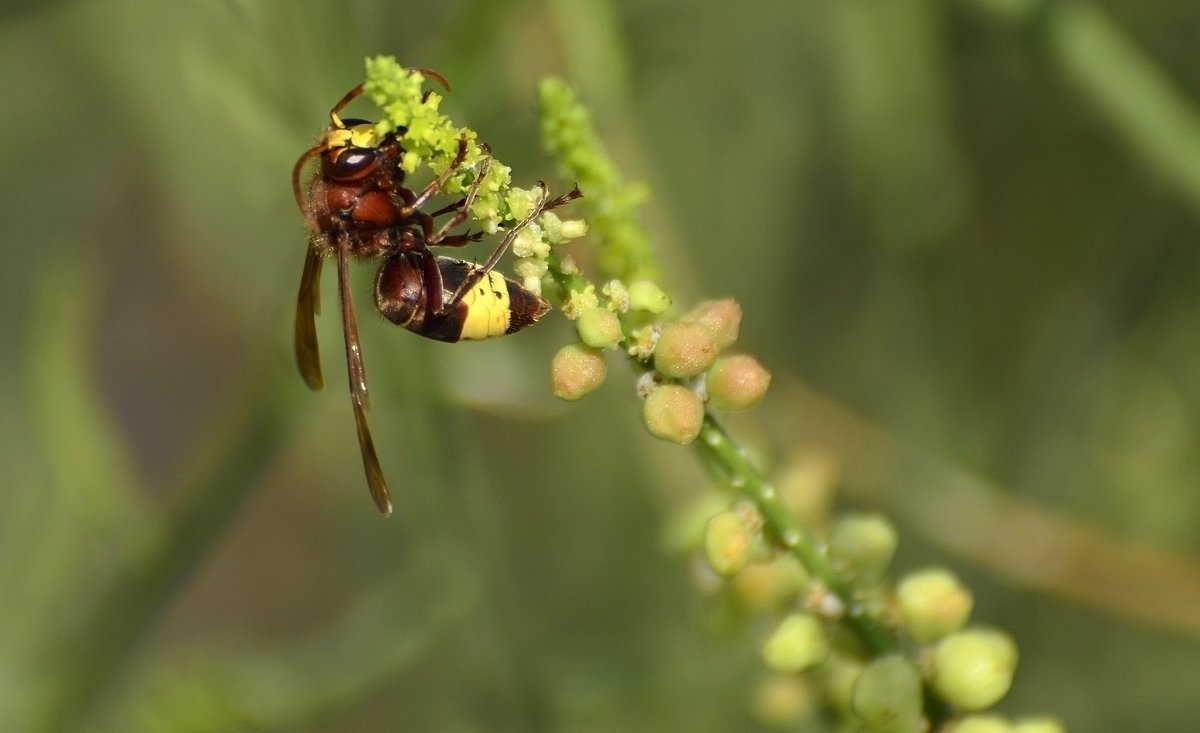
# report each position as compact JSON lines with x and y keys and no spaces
{"x":964,"y":234}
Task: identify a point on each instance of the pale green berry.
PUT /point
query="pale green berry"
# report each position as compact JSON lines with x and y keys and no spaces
{"x":723,"y":319}
{"x":645,"y":295}
{"x":973,"y":669}
{"x":727,"y":543}
{"x":982,"y":724}
{"x":684,"y":349}
{"x":686,"y":527}
{"x":862,"y":545}
{"x":599,"y":328}
{"x":769,"y":586}
{"x":799,"y":642}
{"x":736,"y":383}
{"x":785,"y":701}
{"x":576,"y":371}
{"x":933,"y":603}
{"x":673,"y":412}
{"x":887,"y":696}
{"x":1038,"y":724}
{"x":838,"y":676}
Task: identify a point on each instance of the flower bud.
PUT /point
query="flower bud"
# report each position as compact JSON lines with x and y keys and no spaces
{"x":737,"y":383}
{"x":617,"y":294}
{"x":887,"y":696}
{"x":973,"y":669}
{"x":579,"y":301}
{"x":673,"y":412}
{"x":576,"y":371}
{"x":722,"y":318}
{"x":645,"y":295}
{"x":684,"y":349}
{"x":933,"y":604}
{"x":727,"y":543}
{"x":863,"y":545}
{"x":982,"y":724}
{"x":528,"y":244}
{"x":785,"y":701}
{"x":686,"y":526}
{"x":799,"y":642}
{"x":769,"y":586}
{"x":599,"y":328}
{"x":1038,"y":724}
{"x":838,"y":676}
{"x":572,"y":229}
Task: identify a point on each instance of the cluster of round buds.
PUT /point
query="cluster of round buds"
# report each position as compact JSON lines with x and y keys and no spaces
{"x":602,"y":323}
{"x":532,"y":247}
{"x":691,"y":368}
{"x":752,"y":545}
{"x":969,"y":668}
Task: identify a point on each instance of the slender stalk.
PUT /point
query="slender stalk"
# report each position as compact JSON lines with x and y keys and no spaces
{"x":719,"y":448}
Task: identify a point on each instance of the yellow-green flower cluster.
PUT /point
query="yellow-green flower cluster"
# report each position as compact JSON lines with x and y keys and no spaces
{"x":431,"y":141}
{"x":625,"y":252}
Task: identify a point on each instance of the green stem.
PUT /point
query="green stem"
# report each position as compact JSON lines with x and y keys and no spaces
{"x":716,"y":445}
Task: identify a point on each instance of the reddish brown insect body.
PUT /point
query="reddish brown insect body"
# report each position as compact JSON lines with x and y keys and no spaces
{"x":358,"y":207}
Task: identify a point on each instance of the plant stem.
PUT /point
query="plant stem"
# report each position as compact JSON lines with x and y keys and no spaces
{"x":716,"y":445}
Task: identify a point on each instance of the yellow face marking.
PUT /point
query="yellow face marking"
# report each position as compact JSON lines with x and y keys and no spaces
{"x":359,"y":136}
{"x":487,"y":308}
{"x":363,"y":136}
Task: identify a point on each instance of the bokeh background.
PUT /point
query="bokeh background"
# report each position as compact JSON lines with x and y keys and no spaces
{"x":965,"y":235}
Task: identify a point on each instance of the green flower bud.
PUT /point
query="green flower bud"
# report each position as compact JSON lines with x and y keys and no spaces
{"x":784,"y":701}
{"x":684,"y":349}
{"x":983,"y":724}
{"x":529,"y":243}
{"x":579,"y":301}
{"x":686,"y":526}
{"x":568,"y":265}
{"x":599,"y":328}
{"x":530,"y":270}
{"x":723,"y":319}
{"x":572,"y":229}
{"x":838,"y":676}
{"x":1038,"y":724}
{"x":521,"y":201}
{"x":643,"y":341}
{"x":887,"y":696}
{"x":727,"y":543}
{"x":673,"y":412}
{"x":617,"y":294}
{"x":576,"y":370}
{"x":933,"y":604}
{"x":973,"y":669}
{"x":862,"y":545}
{"x":799,"y":642}
{"x":737,"y":383}
{"x":769,"y":586}
{"x":645,"y":295}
